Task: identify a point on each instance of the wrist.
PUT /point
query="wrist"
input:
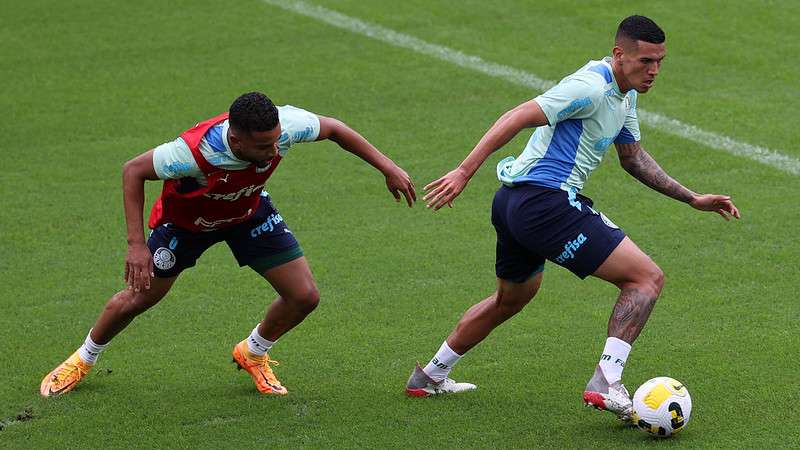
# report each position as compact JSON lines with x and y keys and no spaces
{"x":135,"y":241}
{"x":464,"y":172}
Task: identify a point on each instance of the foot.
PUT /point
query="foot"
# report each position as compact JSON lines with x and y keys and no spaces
{"x":616,"y":399}
{"x":259,"y":370}
{"x":421,"y":385}
{"x":65,"y":377}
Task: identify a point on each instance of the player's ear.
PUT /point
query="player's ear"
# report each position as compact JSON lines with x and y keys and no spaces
{"x":233,"y":139}
{"x":617,"y":52}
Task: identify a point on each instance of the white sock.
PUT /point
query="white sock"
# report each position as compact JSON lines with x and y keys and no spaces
{"x":257,"y":345}
{"x":90,"y":351}
{"x":442,"y":363}
{"x":612,"y":361}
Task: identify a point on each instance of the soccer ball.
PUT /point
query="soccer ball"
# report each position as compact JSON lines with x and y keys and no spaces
{"x":661,"y":406}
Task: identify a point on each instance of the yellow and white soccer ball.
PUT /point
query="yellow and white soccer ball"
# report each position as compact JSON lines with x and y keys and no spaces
{"x":662,"y":406}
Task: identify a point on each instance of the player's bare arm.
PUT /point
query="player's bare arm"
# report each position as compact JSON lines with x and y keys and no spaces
{"x":138,"y":260}
{"x":397,"y":180}
{"x":444,"y":190}
{"x":637,"y":162}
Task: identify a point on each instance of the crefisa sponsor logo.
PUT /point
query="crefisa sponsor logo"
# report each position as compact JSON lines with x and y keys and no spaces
{"x":570,"y":248}
{"x":233,"y":196}
{"x":267,"y":226}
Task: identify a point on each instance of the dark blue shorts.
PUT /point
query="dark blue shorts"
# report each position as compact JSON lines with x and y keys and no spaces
{"x":535,"y":224}
{"x":262,"y":242}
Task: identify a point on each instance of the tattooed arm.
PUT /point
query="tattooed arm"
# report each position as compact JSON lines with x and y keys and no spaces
{"x":637,"y":162}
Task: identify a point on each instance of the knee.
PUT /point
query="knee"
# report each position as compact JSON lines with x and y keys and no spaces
{"x":508,"y":305}
{"x":128,"y":303}
{"x":305,"y":300}
{"x":511,"y":299}
{"x":651,"y":282}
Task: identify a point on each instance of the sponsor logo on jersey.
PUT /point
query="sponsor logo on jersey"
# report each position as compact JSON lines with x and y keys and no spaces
{"x":233,"y":196}
{"x":603,"y":143}
{"x":164,"y":259}
{"x":570,"y":248}
{"x":176,"y":168}
{"x":211,"y":224}
{"x":574,"y":106}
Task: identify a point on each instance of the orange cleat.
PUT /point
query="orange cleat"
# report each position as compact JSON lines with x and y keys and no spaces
{"x":259,"y":370}
{"x":65,"y":377}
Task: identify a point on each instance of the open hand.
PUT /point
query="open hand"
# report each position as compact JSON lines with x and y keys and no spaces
{"x":444,"y":190}
{"x":720,"y":204}
{"x":138,"y":267}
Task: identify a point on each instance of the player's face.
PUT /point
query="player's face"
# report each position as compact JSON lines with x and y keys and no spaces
{"x":257,"y":146}
{"x":640,"y":64}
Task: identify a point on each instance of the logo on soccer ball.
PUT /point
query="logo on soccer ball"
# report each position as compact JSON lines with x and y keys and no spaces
{"x":661,"y":407}
{"x":164,"y":259}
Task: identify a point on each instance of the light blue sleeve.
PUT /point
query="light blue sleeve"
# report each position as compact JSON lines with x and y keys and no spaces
{"x":297,"y":125}
{"x":630,"y":130}
{"x":576,"y":96}
{"x":174,"y":160}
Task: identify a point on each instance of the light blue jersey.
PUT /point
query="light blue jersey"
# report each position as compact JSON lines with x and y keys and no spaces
{"x":174,"y":159}
{"x":586,"y":113}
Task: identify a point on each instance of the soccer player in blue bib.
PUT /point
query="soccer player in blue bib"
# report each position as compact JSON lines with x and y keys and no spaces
{"x":539,"y":215}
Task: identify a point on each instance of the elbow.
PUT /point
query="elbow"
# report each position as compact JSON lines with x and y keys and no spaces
{"x":627,"y":165}
{"x":133,"y":170}
{"x":127,"y":168}
{"x":337,"y":131}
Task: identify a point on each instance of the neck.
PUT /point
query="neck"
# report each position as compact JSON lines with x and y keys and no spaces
{"x":233,"y":150}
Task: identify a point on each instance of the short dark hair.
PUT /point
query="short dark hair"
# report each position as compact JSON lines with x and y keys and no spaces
{"x":640,"y":28}
{"x":251,"y":112}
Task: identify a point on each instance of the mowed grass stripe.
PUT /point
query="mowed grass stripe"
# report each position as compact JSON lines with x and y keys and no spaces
{"x":663,"y":123}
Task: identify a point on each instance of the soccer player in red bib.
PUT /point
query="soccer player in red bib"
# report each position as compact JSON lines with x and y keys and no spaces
{"x":214,"y":176}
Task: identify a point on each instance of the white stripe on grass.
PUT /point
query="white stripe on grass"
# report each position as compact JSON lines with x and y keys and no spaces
{"x":675,"y":127}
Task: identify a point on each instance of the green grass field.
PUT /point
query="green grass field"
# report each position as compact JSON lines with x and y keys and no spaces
{"x":88,"y":85}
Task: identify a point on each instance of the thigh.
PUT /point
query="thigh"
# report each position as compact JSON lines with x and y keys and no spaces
{"x":175,"y":249}
{"x":264,"y":241}
{"x":514,"y":262}
{"x":627,"y":263}
{"x":511,"y":293}
{"x":583,"y":244}
{"x":567,"y":231}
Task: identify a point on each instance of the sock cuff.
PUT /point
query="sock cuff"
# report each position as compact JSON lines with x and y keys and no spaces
{"x":261,"y":340}
{"x":446,"y":347}
{"x":618,"y":343}
{"x":91,"y":344}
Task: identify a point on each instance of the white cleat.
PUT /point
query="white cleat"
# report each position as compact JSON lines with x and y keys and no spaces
{"x":421,"y":385}
{"x":617,"y":400}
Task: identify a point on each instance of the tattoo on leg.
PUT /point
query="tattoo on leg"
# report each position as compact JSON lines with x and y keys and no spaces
{"x":630,"y":314}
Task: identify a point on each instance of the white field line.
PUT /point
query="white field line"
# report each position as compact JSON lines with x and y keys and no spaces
{"x":675,"y":127}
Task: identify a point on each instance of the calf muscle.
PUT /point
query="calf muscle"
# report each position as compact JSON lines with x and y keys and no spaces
{"x":630,"y":313}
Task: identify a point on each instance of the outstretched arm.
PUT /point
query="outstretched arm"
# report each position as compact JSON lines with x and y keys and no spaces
{"x":397,"y":180}
{"x":444,"y":190}
{"x":138,"y":260}
{"x":637,"y":162}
